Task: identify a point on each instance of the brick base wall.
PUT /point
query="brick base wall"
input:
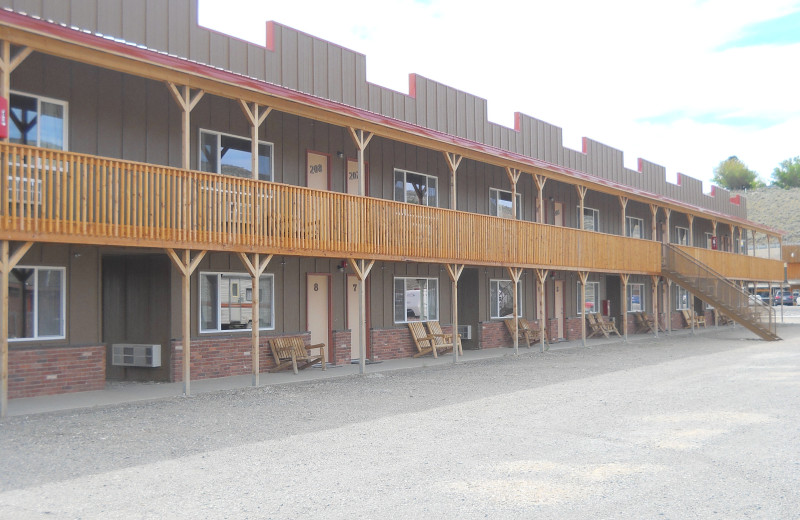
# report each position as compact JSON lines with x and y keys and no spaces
{"x":341,"y":347}
{"x":391,"y":343}
{"x":55,"y":370}
{"x":493,"y":334}
{"x":223,"y":356}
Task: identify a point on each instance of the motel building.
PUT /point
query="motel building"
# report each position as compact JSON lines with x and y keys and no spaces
{"x":174,"y":198}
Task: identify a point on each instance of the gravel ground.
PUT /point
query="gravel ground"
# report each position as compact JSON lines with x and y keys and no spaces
{"x":703,"y":427}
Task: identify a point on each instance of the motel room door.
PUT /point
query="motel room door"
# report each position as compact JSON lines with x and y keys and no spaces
{"x":318,"y":309}
{"x":559,"y":306}
{"x":558,"y":214}
{"x":317,"y":171}
{"x":353,"y":287}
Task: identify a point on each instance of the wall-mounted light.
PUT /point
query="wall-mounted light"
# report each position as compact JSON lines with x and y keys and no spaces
{"x":342,"y":266}
{"x":340,"y":154}
{"x":551,"y":199}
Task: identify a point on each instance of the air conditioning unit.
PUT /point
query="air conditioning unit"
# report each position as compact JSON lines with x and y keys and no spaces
{"x":465,"y":331}
{"x":134,"y":355}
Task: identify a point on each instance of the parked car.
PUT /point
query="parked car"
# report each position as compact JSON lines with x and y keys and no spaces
{"x":764,"y":296}
{"x":784,"y":297}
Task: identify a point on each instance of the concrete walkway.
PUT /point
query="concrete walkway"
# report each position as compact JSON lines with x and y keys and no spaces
{"x":127,"y":392}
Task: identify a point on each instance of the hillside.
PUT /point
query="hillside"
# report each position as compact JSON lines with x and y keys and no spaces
{"x":777,"y":208}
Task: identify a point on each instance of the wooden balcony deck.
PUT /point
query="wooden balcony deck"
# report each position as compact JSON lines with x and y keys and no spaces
{"x":738,"y":267}
{"x":50,"y":196}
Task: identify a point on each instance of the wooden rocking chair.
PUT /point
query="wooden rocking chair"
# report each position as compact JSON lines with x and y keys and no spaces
{"x":292,"y":350}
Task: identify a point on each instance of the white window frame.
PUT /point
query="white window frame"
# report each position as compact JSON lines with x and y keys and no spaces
{"x":395,"y":301}
{"x":494,"y":310}
{"x":678,"y":241}
{"x":642,"y":301}
{"x":679,"y":291}
{"x":595,"y":219}
{"x":234,"y":136}
{"x":219,"y":328}
{"x":39,"y":99}
{"x":708,"y":240}
{"x":595,"y":303}
{"x":496,"y":193}
{"x":63,"y":310}
{"x":629,"y":221}
{"x":405,"y":181}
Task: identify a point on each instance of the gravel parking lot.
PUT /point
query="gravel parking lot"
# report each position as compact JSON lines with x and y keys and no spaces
{"x":703,"y":427}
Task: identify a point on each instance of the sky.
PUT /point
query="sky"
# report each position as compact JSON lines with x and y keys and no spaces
{"x":681,"y":83}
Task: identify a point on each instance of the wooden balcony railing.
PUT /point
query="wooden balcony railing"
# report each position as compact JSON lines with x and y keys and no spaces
{"x":737,"y":267}
{"x":53,"y":196}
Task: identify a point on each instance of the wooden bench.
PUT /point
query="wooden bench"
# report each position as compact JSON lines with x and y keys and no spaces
{"x":425,"y":342}
{"x":292,"y":351}
{"x":690,"y":316}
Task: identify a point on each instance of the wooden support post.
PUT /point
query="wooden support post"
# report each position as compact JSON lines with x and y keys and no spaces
{"x":186,"y":266}
{"x":654,"y":289}
{"x":541,"y":277}
{"x":583,"y":275}
{"x":255,"y":266}
{"x":256,"y":119}
{"x":666,"y":237}
{"x":540,"y":180}
{"x":183,"y":96}
{"x":7,"y":65}
{"x":454,"y":271}
{"x":669,"y":306}
{"x":624,"y":281}
{"x":769,"y":247}
{"x":582,"y":195}
{"x":453,"y":160}
{"x":515,"y":273}
{"x":623,"y":201}
{"x":7,"y":263}
{"x":361,"y":139}
{"x":653,"y":220}
{"x":690,"y":238}
{"x":362,"y":268}
{"x":513,"y":176}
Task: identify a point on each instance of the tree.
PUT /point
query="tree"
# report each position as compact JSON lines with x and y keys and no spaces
{"x":733,"y":174}
{"x":787,"y":175}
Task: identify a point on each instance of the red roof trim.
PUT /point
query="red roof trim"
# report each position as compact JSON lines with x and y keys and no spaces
{"x":138,"y":52}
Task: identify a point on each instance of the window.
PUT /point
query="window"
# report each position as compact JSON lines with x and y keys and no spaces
{"x":36,"y":303}
{"x":38,"y":121}
{"x":708,"y":240}
{"x":415,"y":188}
{"x":501,"y":299}
{"x":591,"y":219}
{"x":225,"y":306}
{"x":634,"y":227}
{"x":592,"y":294}
{"x":682,"y":235}
{"x":231,"y":155}
{"x":500,"y":204}
{"x":635,"y":297}
{"x":416,"y":299}
{"x":682,"y":298}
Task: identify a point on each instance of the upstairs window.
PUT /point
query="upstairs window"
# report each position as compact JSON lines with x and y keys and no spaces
{"x":36,"y":303}
{"x":415,"y":188}
{"x":231,"y":155}
{"x":591,"y":219}
{"x":634,"y":227}
{"x":682,"y":236}
{"x":500,"y":204}
{"x":37,"y":121}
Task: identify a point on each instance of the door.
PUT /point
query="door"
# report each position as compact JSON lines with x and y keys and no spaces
{"x":318,"y":307}
{"x":353,"y":285}
{"x":351,"y":182}
{"x":558,"y":215}
{"x":559,"y":304}
{"x":317,"y":171}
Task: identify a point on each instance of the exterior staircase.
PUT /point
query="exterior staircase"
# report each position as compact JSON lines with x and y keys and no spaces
{"x":708,"y":285}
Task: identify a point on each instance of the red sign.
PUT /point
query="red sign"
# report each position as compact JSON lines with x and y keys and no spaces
{"x":713,"y":242}
{"x":3,"y":118}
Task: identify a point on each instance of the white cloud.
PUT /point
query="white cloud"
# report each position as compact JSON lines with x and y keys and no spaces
{"x":596,"y":69}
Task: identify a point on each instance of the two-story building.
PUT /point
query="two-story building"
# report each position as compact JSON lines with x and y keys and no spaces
{"x":161,"y":181}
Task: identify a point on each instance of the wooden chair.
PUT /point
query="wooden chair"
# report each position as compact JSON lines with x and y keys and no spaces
{"x":520,"y":334}
{"x":597,"y":328}
{"x":721,"y":318}
{"x":290,"y":351}
{"x":424,"y":341}
{"x":441,"y":339}
{"x":645,"y":322}
{"x":527,"y":333}
{"x":608,"y":326}
{"x":689,"y":315}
